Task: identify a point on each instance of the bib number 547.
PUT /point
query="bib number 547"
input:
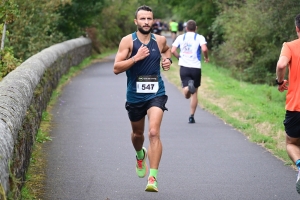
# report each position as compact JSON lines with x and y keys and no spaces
{"x":146,"y":87}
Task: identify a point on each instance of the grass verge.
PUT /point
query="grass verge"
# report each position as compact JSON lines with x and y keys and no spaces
{"x":255,"y":110}
{"x":34,"y":186}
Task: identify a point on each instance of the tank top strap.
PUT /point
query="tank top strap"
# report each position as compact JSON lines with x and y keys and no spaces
{"x":134,"y":36}
{"x":153,"y":37}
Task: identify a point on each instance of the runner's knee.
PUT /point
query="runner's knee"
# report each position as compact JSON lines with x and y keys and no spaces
{"x":153,"y":133}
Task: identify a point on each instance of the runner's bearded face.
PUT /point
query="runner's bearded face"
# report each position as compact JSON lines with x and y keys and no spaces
{"x":144,"y":29}
{"x":144,"y":21}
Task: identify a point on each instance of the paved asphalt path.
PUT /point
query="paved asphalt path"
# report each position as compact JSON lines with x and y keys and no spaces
{"x":91,"y":156}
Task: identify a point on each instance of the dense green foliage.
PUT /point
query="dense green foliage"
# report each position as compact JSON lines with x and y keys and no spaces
{"x":34,"y":28}
{"x":252,"y":34}
{"x":117,"y":19}
{"x":202,"y":11}
{"x":245,"y":36}
{"x":8,"y":12}
{"x":75,"y":16}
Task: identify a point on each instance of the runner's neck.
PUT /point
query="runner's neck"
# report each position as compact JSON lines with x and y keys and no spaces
{"x":145,"y":39}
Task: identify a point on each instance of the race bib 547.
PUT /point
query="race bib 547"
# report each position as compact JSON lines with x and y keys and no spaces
{"x":147,"y":84}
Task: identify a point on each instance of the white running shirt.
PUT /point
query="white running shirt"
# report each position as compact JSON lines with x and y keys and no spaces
{"x":190,"y":49}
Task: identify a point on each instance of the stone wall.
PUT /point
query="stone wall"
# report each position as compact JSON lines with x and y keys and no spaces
{"x":24,"y":95}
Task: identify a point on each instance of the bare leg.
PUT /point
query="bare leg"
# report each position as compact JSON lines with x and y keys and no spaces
{"x":194,"y":98}
{"x":186,"y":92}
{"x":155,"y":115}
{"x":293,"y":148}
{"x":194,"y":102}
{"x":137,"y":135}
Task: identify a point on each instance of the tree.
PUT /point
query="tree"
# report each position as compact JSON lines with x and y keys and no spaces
{"x":117,"y":19}
{"x":34,"y":29}
{"x":202,"y":11}
{"x":8,"y":13}
{"x":251,"y":35}
{"x":77,"y":15}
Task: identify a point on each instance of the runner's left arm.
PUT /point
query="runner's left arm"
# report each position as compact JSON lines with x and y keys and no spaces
{"x":205,"y":52}
{"x":166,"y":53}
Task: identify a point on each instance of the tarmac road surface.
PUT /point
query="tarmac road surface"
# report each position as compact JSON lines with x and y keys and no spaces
{"x":91,"y":156}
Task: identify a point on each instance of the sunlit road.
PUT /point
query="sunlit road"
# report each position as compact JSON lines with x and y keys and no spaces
{"x":91,"y":155}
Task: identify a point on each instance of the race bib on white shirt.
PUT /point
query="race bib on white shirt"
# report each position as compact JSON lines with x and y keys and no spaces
{"x":147,"y":84}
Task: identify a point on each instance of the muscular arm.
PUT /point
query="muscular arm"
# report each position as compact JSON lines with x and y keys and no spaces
{"x":121,"y":62}
{"x":166,"y":52}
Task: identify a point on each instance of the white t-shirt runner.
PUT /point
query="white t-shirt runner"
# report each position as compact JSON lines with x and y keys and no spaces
{"x":190,"y":49}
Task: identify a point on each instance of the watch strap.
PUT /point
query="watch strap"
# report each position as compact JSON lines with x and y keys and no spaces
{"x":170,"y":60}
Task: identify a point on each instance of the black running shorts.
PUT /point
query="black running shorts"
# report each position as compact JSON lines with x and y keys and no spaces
{"x":292,"y":124}
{"x":189,"y":73}
{"x":136,"y":111}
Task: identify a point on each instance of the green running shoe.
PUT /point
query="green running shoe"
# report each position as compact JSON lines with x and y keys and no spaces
{"x":141,"y":165}
{"x":152,"y":184}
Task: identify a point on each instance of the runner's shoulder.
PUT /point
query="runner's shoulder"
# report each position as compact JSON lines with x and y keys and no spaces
{"x":127,"y":38}
{"x":160,"y":38}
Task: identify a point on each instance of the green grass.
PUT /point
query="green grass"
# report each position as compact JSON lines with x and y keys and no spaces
{"x":255,"y":110}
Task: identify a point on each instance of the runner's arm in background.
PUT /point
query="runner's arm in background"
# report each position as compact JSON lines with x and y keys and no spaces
{"x":281,"y":68}
{"x":174,"y":52}
{"x":282,"y":63}
{"x":204,"y":50}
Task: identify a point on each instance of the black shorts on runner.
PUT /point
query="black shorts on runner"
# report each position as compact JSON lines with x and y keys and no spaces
{"x":189,"y":73}
{"x":292,"y":124}
{"x":136,"y":111}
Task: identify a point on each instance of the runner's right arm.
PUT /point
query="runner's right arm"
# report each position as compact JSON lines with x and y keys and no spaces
{"x":122,"y":63}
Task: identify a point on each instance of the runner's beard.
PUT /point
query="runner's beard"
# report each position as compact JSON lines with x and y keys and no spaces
{"x":143,"y":31}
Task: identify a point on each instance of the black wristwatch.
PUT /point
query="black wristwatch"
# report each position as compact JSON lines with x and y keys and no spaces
{"x":279,"y":83}
{"x":170,"y":60}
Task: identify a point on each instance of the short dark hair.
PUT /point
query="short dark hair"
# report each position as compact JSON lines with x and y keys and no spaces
{"x":144,"y":7}
{"x":297,"y":21}
{"x":191,"y":25}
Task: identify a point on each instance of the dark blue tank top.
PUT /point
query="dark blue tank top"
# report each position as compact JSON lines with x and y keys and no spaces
{"x":148,"y":66}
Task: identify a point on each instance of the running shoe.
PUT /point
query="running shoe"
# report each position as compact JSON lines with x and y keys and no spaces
{"x":141,"y":165}
{"x":152,"y":184}
{"x":191,"y":87}
{"x":191,"y":120}
{"x":298,"y":182}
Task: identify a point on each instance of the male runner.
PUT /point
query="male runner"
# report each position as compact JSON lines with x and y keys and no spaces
{"x":140,"y":55}
{"x":191,"y":44}
{"x":290,"y":56}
